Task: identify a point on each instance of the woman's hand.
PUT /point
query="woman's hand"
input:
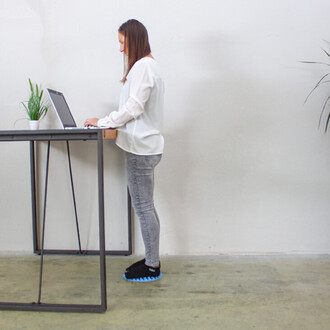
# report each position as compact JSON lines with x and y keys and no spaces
{"x":91,"y":122}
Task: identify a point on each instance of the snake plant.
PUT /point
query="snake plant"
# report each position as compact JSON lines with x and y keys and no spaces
{"x":35,"y":107}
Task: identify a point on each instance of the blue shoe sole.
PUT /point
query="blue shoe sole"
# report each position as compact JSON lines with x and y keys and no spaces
{"x":144,"y":279}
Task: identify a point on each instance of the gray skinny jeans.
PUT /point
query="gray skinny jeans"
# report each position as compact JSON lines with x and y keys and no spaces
{"x":140,"y":178}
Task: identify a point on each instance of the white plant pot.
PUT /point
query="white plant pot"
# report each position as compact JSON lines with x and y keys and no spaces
{"x":34,"y":124}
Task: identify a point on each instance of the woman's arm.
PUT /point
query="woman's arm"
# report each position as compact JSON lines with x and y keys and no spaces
{"x":140,"y":88}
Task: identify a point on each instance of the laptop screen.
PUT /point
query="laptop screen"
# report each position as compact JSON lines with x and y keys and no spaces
{"x":61,"y":108}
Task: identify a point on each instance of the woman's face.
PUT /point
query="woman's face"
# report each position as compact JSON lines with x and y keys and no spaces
{"x":122,"y":48}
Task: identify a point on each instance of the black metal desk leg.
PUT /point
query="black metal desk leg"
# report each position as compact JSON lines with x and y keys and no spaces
{"x":101,"y":220}
{"x":129,"y":216}
{"x":33,"y":196}
{"x":73,"y":195}
{"x":43,"y":225}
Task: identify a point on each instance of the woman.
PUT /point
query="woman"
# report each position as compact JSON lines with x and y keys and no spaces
{"x":139,"y":122}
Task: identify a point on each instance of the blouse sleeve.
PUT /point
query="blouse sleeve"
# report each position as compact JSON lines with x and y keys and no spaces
{"x":141,"y":84}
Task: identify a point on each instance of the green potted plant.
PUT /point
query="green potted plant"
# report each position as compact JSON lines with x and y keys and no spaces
{"x":323,"y":80}
{"x":35,"y":107}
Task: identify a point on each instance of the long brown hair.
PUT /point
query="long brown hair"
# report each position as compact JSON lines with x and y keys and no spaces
{"x":137,"y":42}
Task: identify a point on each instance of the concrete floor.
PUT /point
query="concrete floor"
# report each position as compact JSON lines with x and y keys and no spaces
{"x":221,"y":292}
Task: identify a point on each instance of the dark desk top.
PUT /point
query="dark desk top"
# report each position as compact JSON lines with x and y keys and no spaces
{"x":57,"y":134}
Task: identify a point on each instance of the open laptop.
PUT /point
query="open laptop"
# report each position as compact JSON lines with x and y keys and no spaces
{"x":62,"y":110}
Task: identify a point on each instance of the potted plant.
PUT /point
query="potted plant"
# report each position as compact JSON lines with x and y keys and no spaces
{"x":35,"y":107}
{"x":323,"y":80}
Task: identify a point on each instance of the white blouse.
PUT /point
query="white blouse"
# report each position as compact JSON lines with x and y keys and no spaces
{"x":140,"y":116}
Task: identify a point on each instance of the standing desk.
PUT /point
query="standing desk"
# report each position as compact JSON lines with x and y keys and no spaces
{"x":97,"y":135}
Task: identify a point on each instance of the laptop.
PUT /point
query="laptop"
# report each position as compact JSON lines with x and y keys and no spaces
{"x":62,"y":110}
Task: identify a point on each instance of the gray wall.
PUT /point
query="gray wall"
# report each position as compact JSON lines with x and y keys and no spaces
{"x":245,"y":168}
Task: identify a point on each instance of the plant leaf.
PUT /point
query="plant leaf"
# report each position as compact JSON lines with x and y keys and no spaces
{"x":326,"y":52}
{"x":311,"y":62}
{"x":31,"y":86}
{"x":317,"y":85}
{"x":328,"y":119}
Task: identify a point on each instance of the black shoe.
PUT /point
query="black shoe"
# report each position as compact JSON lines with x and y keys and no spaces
{"x":138,"y":263}
{"x":143,"y":273}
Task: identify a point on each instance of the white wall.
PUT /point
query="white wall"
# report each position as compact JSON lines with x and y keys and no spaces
{"x":245,"y":168}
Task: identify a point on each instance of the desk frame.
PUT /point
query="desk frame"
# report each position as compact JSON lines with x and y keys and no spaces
{"x":67,"y":135}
